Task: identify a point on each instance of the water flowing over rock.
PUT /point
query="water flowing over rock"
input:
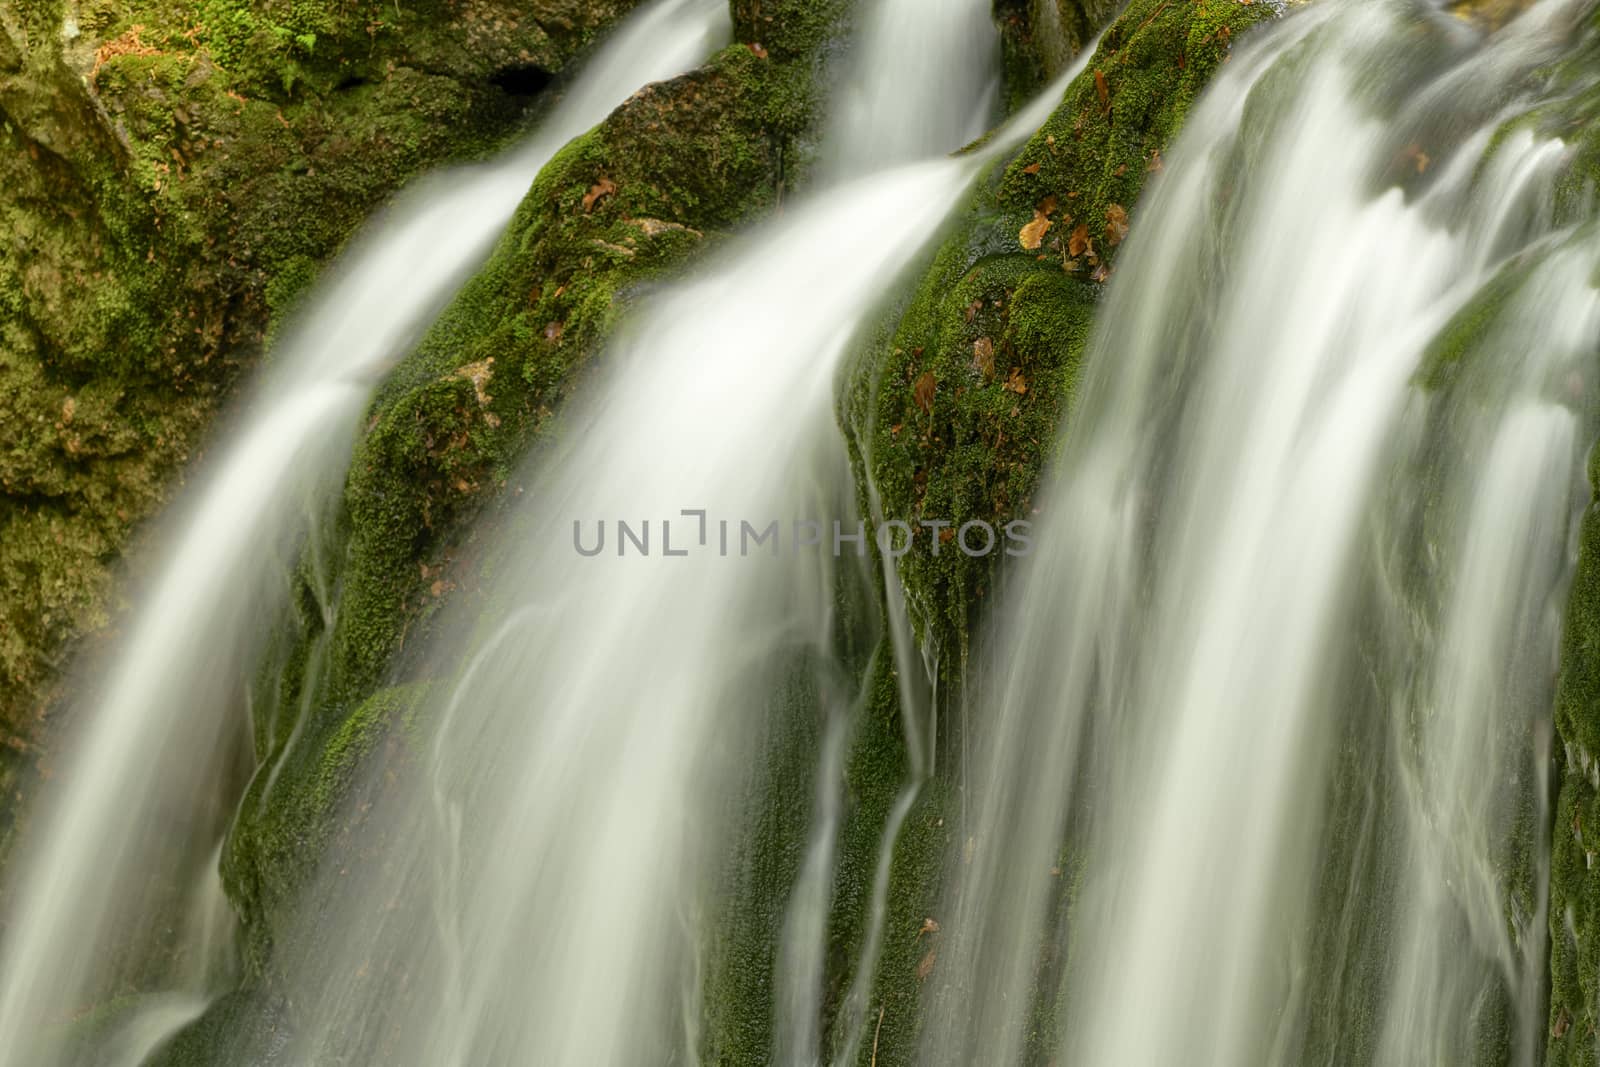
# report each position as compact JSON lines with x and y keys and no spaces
{"x":865,"y":532}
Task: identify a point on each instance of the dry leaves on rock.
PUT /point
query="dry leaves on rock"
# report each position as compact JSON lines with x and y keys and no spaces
{"x":599,"y":191}
{"x":1116,"y":224}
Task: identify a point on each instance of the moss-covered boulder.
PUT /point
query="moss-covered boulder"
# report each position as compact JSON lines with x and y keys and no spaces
{"x":1040,"y":37}
{"x":954,"y":411}
{"x":171,"y":177}
{"x":677,"y":165}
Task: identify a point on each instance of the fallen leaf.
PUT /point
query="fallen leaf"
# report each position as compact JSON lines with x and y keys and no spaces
{"x":1016,"y":383}
{"x":757,"y":50}
{"x":1047,"y":206}
{"x":929,"y":926}
{"x":1032,"y":235}
{"x":1100,"y":273}
{"x":1155,"y":164}
{"x":983,"y":356}
{"x":69,"y":407}
{"x":925,"y":968}
{"x":923,"y":392}
{"x":973,"y":309}
{"x":597,"y":192}
{"x":1032,"y":168}
{"x":1078,"y":243}
{"x":1116,"y":224}
{"x":1102,"y":90}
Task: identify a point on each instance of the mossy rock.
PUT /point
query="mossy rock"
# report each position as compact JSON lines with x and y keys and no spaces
{"x":954,"y":411}
{"x":172,"y":175}
{"x":678,"y":165}
{"x":1039,"y":38}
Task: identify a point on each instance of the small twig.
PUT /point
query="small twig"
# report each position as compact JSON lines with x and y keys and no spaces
{"x":875,"y":1034}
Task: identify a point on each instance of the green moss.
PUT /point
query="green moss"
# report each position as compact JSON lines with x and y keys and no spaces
{"x":294,"y":807}
{"x":652,"y":185}
{"x":680,"y":160}
{"x":170,"y":181}
{"x":1038,"y":38}
{"x":993,"y":335}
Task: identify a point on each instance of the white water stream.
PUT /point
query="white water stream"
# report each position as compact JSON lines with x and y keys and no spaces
{"x":128,"y":830}
{"x":1181,"y":663}
{"x":550,"y":901}
{"x":1270,"y":705}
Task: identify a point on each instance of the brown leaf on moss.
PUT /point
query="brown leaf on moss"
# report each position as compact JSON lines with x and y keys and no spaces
{"x":923,"y":392}
{"x":1116,"y":224}
{"x":1100,"y":273}
{"x":756,"y":50}
{"x":1102,"y":90}
{"x":1078,"y":243}
{"x":599,"y":191}
{"x":925,"y":968}
{"x":1032,"y":235}
{"x":983,"y":356}
{"x":973,"y":309}
{"x":1155,"y":164}
{"x":1017,"y":383}
{"x":1032,"y":168}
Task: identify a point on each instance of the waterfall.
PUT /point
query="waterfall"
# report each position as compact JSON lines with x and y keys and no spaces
{"x":925,"y":80}
{"x":1278,"y":683}
{"x":125,"y":843}
{"x":670,"y":569}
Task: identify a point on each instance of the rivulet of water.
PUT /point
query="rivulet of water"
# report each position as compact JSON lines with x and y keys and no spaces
{"x":118,"y":905}
{"x":1278,"y":453}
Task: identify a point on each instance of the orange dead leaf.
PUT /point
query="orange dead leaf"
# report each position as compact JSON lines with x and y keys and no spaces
{"x":1032,"y":235}
{"x":1116,"y":224}
{"x":757,"y":50}
{"x":597,"y":192}
{"x":1102,"y":90}
{"x":1078,"y":243}
{"x":1032,"y":168}
{"x":925,"y":968}
{"x":1155,"y":164}
{"x":923,"y":392}
{"x":1017,"y":383}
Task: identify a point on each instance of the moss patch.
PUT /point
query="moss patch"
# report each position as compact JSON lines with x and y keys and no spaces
{"x":954,"y":411}
{"x":173,"y":174}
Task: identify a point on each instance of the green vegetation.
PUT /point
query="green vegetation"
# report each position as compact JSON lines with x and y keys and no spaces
{"x":953,"y":412}
{"x":174,"y":174}
{"x":654,"y":185}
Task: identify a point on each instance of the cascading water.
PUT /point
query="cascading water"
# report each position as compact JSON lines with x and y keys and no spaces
{"x":131,"y":829}
{"x":926,"y":81}
{"x":1260,"y":740}
{"x":547,"y":896}
{"x":1287,"y":724}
